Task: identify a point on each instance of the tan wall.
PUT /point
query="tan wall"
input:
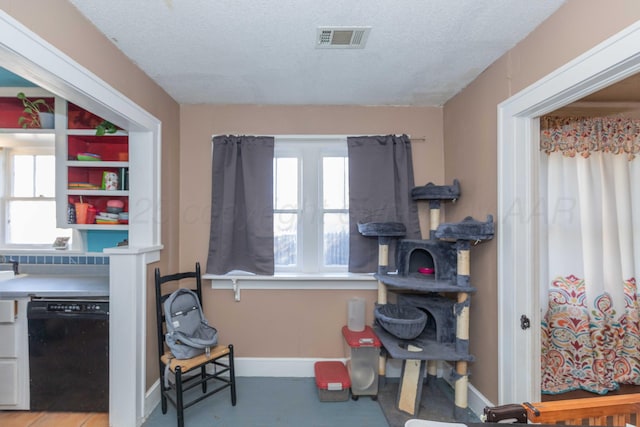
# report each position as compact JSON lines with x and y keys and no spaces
{"x":292,"y":323}
{"x":58,"y":22}
{"x":471,"y":151}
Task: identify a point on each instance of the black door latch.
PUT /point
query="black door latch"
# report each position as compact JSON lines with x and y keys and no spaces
{"x":525,"y":323}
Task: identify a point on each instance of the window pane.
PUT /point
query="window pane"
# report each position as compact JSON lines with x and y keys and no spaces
{"x":336,"y":239}
{"x":335,"y":183}
{"x":286,"y":183}
{"x":45,"y":170}
{"x":285,"y":233}
{"x":23,"y":176}
{"x":33,"y":222}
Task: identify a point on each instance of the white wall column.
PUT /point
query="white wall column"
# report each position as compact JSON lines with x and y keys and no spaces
{"x":127,"y":327}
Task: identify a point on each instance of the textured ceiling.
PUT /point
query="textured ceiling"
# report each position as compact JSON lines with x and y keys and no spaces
{"x":419,"y":52}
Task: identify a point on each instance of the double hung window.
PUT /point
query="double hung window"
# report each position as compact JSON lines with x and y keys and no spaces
{"x":311,"y":205}
{"x":30,"y":205}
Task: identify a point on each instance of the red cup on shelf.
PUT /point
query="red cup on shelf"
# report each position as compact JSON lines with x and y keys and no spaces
{"x":91,"y":214}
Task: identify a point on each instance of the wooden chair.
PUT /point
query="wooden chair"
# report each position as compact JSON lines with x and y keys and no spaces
{"x":189,"y":373}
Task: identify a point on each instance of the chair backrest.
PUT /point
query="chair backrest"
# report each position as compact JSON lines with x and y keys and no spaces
{"x":172,"y":282}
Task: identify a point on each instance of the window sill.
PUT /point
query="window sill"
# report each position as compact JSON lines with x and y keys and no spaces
{"x":327,"y":281}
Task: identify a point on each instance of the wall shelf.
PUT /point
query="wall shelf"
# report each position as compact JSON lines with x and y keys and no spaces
{"x":92,"y":132}
{"x":96,"y":164}
{"x":108,"y":227}
{"x":27,"y":131}
{"x":101,"y":193}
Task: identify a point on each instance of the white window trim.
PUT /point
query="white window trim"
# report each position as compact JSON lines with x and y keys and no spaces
{"x":40,"y":148}
{"x":293,"y":281}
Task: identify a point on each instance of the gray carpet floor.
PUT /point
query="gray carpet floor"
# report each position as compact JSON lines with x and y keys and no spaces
{"x":289,"y":402}
{"x":274,"y":402}
{"x":436,"y":404}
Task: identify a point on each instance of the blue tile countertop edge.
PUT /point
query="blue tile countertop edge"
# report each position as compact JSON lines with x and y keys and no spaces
{"x":57,"y":259}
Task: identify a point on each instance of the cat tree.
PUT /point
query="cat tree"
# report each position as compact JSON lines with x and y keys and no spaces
{"x":430,"y":320}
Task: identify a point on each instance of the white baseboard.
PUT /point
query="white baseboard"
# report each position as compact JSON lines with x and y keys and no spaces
{"x":294,"y":367}
{"x":303,"y":367}
{"x":151,"y":400}
{"x":276,"y":367}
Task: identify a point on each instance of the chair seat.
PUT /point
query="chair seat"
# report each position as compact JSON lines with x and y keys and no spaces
{"x":186,"y":365}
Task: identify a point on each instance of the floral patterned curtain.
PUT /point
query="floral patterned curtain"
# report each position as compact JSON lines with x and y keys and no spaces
{"x":590,"y":253}
{"x":585,"y":135}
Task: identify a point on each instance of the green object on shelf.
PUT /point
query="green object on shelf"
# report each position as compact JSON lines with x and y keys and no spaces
{"x":105,"y":127}
{"x":89,"y":157}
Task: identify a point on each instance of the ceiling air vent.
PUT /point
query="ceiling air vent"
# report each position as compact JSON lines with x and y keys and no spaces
{"x":342,"y":37}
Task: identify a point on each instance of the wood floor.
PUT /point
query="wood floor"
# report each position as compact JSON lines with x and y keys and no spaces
{"x":53,"y":419}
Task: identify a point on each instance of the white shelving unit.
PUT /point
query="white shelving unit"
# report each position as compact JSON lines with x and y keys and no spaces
{"x":67,"y":142}
{"x":68,"y":167}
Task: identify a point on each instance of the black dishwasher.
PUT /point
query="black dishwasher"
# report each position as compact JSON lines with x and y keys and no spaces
{"x":69,"y":355}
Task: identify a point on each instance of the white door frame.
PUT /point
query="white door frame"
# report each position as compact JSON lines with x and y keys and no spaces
{"x":518,"y":136}
{"x":28,"y":55}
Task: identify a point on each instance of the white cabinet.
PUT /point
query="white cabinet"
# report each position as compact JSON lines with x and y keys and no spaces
{"x":8,"y":382}
{"x":14,"y":354}
{"x":8,"y":312}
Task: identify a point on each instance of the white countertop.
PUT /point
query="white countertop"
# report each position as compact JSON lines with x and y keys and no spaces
{"x":44,"y":285}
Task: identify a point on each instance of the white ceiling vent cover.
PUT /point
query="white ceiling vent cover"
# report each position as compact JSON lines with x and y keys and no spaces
{"x":342,"y":37}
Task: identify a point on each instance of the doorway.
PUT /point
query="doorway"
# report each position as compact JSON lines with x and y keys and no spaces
{"x":607,"y":107}
{"x":518,"y":138}
{"x":27,"y":55}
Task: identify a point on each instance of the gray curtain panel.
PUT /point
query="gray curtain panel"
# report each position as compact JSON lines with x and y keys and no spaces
{"x":241,"y":236}
{"x":380,"y":183}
